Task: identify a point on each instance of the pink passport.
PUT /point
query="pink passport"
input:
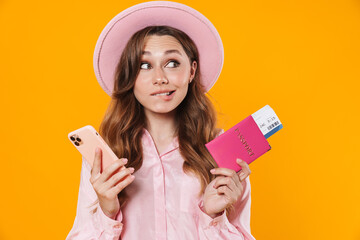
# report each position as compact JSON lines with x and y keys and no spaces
{"x":244,"y":141}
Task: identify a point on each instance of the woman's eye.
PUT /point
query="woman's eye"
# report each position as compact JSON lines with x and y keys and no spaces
{"x":145,"y":65}
{"x":173,"y":63}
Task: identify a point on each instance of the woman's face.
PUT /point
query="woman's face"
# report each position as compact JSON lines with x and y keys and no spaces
{"x":164,"y":75}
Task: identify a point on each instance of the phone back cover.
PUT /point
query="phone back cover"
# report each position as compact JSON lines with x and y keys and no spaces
{"x":244,"y":141}
{"x":90,"y":140}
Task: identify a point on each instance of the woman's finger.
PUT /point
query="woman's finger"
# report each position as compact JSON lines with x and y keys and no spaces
{"x":116,"y":178}
{"x":109,"y":171}
{"x":228,"y":173}
{"x":96,"y":168}
{"x":231,"y":197}
{"x":121,"y":185}
{"x":245,"y":169}
{"x":225,"y":181}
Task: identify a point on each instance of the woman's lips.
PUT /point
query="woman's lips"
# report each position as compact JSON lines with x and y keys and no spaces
{"x":165,"y":97}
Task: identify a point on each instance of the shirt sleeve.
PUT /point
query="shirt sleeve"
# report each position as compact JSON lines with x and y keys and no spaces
{"x":236,"y":226}
{"x":90,"y":221}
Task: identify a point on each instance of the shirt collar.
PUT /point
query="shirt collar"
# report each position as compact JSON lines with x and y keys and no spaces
{"x":150,"y":141}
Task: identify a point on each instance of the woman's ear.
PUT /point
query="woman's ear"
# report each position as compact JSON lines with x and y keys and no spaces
{"x":193,"y":70}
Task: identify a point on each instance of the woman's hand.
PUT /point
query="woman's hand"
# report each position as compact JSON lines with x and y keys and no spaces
{"x":225,"y":189}
{"x":110,"y":182}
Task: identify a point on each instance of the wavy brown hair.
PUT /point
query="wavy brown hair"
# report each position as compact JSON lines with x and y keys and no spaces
{"x":124,"y":120}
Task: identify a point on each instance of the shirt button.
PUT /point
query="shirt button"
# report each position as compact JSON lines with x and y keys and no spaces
{"x":213,"y":223}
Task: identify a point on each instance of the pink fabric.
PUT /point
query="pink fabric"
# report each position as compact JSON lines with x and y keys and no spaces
{"x":163,"y":204}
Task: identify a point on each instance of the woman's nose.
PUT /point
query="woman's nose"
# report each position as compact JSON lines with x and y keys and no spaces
{"x":159,"y":77}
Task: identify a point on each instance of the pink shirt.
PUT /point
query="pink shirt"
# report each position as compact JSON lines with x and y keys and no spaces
{"x":163,"y":204}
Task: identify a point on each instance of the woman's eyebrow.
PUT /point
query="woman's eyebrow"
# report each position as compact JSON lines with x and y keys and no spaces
{"x":165,"y":53}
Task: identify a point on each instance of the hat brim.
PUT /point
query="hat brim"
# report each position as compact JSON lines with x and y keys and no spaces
{"x":118,"y":31}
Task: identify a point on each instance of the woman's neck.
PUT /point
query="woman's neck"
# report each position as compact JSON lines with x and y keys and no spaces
{"x":161,"y":126}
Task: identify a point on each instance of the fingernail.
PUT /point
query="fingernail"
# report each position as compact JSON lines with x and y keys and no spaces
{"x":124,"y":160}
{"x":131,"y":170}
{"x":239,"y":160}
{"x":212,"y":170}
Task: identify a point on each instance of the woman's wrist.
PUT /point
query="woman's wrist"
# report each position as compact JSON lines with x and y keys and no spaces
{"x":212,"y":215}
{"x":111,"y":214}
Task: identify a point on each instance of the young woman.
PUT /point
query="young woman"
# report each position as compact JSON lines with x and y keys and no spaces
{"x":165,"y":184}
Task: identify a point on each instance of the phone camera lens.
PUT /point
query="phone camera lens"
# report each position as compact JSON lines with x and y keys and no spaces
{"x":77,"y":144}
{"x":72,"y":138}
{"x":78,"y":139}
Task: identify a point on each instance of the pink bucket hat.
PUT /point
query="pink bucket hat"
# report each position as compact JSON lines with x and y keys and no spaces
{"x":118,"y":31}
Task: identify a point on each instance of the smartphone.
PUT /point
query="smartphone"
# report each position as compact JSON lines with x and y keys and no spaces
{"x":86,"y":140}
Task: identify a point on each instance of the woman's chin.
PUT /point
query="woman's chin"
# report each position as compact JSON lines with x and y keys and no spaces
{"x":163,"y":111}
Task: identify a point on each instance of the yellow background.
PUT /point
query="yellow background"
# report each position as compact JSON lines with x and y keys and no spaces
{"x":301,"y":57}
